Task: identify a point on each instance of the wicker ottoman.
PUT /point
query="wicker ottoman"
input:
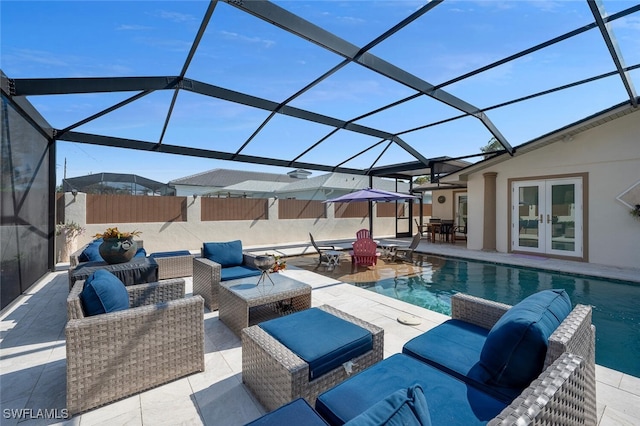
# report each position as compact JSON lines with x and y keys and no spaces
{"x":276,"y":375}
{"x":173,"y":264}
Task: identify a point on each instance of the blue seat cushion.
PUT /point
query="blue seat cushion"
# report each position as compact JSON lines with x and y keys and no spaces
{"x":141,"y":252}
{"x":103,"y":292}
{"x":91,"y":253}
{"x":170,"y":253}
{"x":405,"y":407}
{"x":322,"y":340}
{"x":450,"y":400}
{"x":454,"y":347}
{"x":226,"y":254}
{"x":236,"y":272}
{"x":513,"y":354}
{"x":297,"y":412}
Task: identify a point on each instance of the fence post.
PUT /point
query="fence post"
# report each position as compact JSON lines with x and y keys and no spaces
{"x":194,"y":209}
{"x":272,"y":209}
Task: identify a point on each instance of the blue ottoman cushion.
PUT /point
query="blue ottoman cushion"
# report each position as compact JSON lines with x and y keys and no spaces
{"x":513,"y":354}
{"x":226,"y":253}
{"x":322,"y":340}
{"x":297,"y":412}
{"x":236,"y":272}
{"x":405,"y":407}
{"x":103,"y":292}
{"x":91,"y":253}
{"x":450,"y":400}
{"x":170,"y":253}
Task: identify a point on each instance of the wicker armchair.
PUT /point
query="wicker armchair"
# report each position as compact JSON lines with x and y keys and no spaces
{"x":206,"y":278}
{"x":565,"y":391}
{"x":119,"y":354}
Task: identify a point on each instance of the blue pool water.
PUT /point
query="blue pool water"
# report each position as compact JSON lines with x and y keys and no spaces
{"x":616,"y":304}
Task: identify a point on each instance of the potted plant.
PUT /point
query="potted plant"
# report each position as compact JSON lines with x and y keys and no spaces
{"x":67,"y":234}
{"x":117,"y":246}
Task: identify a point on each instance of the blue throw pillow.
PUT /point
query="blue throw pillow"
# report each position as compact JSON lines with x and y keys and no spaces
{"x":226,"y":254}
{"x":103,"y":292}
{"x":406,"y":407}
{"x":513,"y":354}
{"x":141,"y":252}
{"x":91,"y":253}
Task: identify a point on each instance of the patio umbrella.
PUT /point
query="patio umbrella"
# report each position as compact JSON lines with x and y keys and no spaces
{"x":370,"y":195}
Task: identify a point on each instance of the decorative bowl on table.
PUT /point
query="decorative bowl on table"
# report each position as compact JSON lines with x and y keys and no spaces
{"x":264,"y":263}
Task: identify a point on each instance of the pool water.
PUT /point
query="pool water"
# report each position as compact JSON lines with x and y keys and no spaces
{"x":616,"y":304}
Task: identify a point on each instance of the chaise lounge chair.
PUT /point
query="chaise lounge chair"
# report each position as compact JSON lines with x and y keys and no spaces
{"x":533,"y":363}
{"x":326,"y":254}
{"x":406,"y":253}
{"x":541,"y":378}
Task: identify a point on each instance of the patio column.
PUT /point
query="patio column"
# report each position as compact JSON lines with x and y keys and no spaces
{"x":489,"y":234}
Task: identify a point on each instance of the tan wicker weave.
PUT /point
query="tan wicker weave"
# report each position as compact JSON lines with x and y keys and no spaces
{"x":565,"y":392}
{"x":276,"y":375}
{"x":174,"y":266}
{"x":252,"y":303}
{"x":206,"y":278}
{"x":119,"y":354}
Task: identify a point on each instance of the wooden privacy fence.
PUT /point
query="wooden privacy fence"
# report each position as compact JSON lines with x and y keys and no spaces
{"x":301,"y":209}
{"x":234,"y":209}
{"x":110,"y":208}
{"x":107,"y":208}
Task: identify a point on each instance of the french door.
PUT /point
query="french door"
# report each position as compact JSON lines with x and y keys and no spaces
{"x":547,"y":216}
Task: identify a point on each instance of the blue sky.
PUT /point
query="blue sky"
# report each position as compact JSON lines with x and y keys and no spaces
{"x":239,"y":52}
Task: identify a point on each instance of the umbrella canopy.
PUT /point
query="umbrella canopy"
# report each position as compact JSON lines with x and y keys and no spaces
{"x":370,"y":194}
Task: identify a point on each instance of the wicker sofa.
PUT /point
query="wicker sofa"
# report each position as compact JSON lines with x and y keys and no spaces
{"x":562,"y":394}
{"x":118,"y":354}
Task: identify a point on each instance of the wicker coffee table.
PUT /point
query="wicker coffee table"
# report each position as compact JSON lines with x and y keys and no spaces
{"x":243,"y":303}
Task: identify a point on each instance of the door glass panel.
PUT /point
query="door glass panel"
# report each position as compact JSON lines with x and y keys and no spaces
{"x":563,"y":218}
{"x":528,"y":214}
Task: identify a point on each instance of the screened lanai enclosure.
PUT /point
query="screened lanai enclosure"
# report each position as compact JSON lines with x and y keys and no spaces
{"x":395,"y":89}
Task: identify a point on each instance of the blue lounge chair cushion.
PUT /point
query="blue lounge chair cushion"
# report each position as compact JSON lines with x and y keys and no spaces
{"x":103,"y":292}
{"x":91,"y":253}
{"x":405,"y":407}
{"x":170,"y":253}
{"x":226,"y":254}
{"x":236,"y":272}
{"x":297,"y":412}
{"x":454,"y":347}
{"x":450,"y":400}
{"x":513,"y":354}
{"x":322,"y":340}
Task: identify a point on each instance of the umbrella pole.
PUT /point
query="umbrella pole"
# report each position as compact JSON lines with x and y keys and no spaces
{"x":371,"y":218}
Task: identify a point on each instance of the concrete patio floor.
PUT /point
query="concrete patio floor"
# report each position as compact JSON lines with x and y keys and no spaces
{"x":33,"y":366}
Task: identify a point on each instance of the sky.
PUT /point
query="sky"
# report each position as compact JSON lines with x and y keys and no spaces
{"x":53,"y":39}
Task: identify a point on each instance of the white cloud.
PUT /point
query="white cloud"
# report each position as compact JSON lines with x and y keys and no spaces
{"x":245,"y":39}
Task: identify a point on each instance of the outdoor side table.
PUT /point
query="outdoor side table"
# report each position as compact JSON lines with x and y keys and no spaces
{"x":173,"y":264}
{"x":243,"y":303}
{"x":388,"y":250}
{"x":333,"y":258}
{"x":139,"y":270}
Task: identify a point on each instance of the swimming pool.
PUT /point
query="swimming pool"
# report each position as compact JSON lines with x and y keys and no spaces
{"x":616,"y":304}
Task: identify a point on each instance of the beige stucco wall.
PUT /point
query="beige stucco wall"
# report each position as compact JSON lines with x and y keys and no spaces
{"x":191,"y":234}
{"x":610,"y":154}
